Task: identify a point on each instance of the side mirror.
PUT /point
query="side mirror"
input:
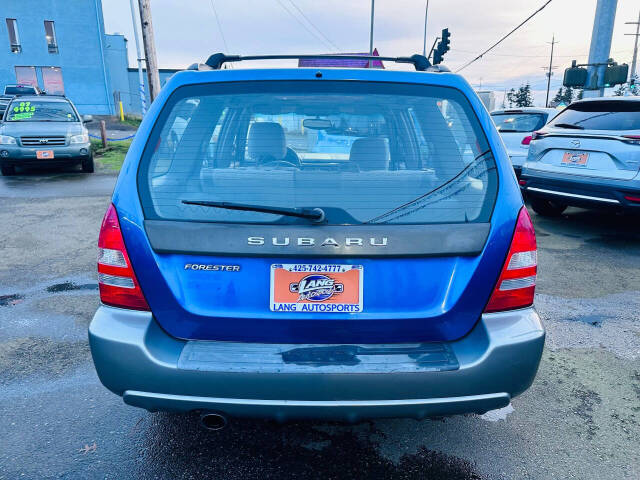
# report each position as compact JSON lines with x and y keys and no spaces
{"x":87,"y":118}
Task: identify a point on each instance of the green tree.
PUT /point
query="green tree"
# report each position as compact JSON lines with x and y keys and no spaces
{"x":619,"y":92}
{"x":558,"y":98}
{"x":580,"y":94}
{"x":523,"y":96}
{"x":511,"y":97}
{"x":567,"y":97}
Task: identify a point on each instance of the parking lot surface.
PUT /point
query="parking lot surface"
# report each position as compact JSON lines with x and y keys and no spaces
{"x":580,"y":419}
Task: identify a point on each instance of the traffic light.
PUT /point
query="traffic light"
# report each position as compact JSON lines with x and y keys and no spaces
{"x":445,"y":42}
{"x":616,"y":75}
{"x":437,"y":57}
{"x":442,"y":47}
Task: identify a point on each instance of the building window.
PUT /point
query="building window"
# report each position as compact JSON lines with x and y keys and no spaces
{"x":52,"y":80}
{"x":14,"y":39}
{"x":26,"y":76}
{"x":50,"y":35}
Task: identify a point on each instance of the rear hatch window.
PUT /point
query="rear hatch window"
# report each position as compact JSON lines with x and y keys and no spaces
{"x":362,"y":152}
{"x":600,"y":115}
{"x":519,"y":122}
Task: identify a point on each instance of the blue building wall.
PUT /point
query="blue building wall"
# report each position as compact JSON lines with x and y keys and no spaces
{"x":79,"y":27}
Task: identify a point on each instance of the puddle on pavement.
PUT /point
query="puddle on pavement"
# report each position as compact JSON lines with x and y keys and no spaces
{"x":178,"y":446}
{"x":497,"y":415}
{"x":21,"y":357}
{"x":70,"y":286}
{"x":594,"y":320}
{"x":10,"y":300}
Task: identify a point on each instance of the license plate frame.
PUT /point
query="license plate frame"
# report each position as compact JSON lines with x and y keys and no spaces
{"x":316,"y":288}
{"x":44,"y":154}
{"x":575,"y":159}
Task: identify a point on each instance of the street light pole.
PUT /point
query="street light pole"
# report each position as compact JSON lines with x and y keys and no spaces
{"x":371,"y":32}
{"x":424,"y":41}
{"x":143,"y":97}
{"x":634,"y":61}
{"x":149,"y":48}
{"x":549,"y":73}
{"x":600,"y":47}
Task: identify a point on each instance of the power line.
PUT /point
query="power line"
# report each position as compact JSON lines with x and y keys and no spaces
{"x":304,"y":25}
{"x":224,"y":40}
{"x":314,"y":26}
{"x":504,"y":37}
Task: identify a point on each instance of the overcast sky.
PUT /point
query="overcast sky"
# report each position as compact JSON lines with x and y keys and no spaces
{"x":189,"y":32}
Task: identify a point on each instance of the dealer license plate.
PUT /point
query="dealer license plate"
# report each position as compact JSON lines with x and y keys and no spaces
{"x":44,"y":154}
{"x":316,"y":288}
{"x":575,"y":159}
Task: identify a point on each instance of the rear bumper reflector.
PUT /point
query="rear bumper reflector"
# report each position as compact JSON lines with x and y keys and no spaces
{"x":572,"y":195}
{"x":517,"y":283}
{"x":115,"y":280}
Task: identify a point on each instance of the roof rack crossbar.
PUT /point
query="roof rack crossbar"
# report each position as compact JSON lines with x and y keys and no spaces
{"x":216,"y":60}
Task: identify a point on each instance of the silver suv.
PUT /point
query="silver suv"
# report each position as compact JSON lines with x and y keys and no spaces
{"x":588,"y":156}
{"x":43,"y":130}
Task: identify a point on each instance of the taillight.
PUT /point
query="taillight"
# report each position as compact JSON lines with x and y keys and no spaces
{"x":527,"y":140}
{"x":536,"y":136}
{"x":517,"y":282}
{"x":632,"y":139}
{"x":118,"y":284}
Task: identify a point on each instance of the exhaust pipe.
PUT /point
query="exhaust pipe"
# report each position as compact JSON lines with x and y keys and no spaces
{"x":213,"y":421}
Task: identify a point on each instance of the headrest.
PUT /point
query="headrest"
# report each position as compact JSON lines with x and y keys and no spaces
{"x":371,"y":153}
{"x":266,"y":141}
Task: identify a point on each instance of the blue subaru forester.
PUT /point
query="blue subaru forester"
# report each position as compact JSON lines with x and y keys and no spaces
{"x":333,"y":243}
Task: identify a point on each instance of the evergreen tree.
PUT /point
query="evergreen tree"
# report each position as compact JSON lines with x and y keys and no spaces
{"x":558,"y":98}
{"x":567,"y":96}
{"x":511,"y":98}
{"x":580,"y":94}
{"x":524,"y":97}
{"x":619,"y":92}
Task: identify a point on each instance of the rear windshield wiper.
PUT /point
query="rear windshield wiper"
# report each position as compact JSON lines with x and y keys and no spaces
{"x":568,"y":125}
{"x":315,"y":214}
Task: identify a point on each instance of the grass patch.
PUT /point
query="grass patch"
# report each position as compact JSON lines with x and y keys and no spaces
{"x":132,"y":120}
{"x":112,"y":156}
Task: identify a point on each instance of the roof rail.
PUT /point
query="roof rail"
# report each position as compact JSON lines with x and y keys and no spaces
{"x":216,"y":60}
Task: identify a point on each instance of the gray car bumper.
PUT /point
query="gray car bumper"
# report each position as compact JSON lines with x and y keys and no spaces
{"x":496,"y":361}
{"x":18,"y":155}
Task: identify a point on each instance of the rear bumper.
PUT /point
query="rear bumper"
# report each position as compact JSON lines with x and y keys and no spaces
{"x":581,"y":191}
{"x":17,"y":155}
{"x":496,"y":361}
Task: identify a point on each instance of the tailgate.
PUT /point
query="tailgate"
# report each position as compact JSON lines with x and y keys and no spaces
{"x":434,"y":291}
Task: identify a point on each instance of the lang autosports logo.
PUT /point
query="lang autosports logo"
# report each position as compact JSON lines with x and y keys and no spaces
{"x":319,"y":288}
{"x":316,"y":288}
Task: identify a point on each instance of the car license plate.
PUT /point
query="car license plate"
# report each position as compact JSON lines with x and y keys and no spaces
{"x":575,"y":159}
{"x":44,"y":154}
{"x":316,"y":288}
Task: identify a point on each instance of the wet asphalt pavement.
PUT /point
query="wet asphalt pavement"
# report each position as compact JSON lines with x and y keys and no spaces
{"x":580,"y":419}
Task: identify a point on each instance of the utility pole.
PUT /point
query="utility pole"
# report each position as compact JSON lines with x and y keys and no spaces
{"x":600,"y":46}
{"x":149,"y":48}
{"x":633,"y":74}
{"x":371,"y":32}
{"x":143,"y":97}
{"x":424,"y":41}
{"x":549,"y":73}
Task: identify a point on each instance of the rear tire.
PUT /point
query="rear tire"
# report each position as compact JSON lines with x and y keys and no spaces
{"x":87,"y":165}
{"x":547,"y":208}
{"x":8,"y":170}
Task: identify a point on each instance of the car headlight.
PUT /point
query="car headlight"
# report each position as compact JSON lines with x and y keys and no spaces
{"x":7,"y":140}
{"x":84,"y":138}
